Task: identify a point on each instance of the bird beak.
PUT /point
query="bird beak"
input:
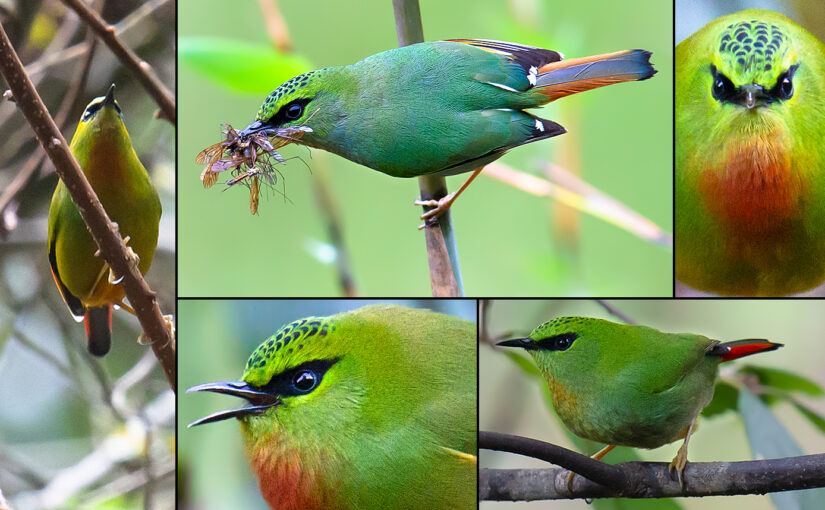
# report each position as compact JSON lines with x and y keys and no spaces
{"x":524,"y":343}
{"x":109,"y":100}
{"x":752,"y":93}
{"x":253,"y":128}
{"x":260,"y":400}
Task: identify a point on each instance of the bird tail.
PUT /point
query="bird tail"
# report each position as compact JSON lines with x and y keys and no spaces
{"x":98,"y":322}
{"x":740,"y":348}
{"x":566,"y":77}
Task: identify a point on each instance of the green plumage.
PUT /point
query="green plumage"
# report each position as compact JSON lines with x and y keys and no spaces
{"x":750,"y":162}
{"x":629,"y":385}
{"x":443,"y":107}
{"x":390,"y":421}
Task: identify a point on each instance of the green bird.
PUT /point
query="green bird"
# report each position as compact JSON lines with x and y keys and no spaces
{"x":750,"y":162}
{"x":104,"y":151}
{"x":630,"y":385}
{"x":443,"y":108}
{"x":369,"y":409}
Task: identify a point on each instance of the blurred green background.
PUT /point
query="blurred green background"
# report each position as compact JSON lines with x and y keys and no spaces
{"x":691,"y":15}
{"x":511,"y":401}
{"x":216,"y":338}
{"x":72,"y":433}
{"x":509,"y":242}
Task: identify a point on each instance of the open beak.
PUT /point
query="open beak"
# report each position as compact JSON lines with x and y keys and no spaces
{"x":259,"y":400}
{"x":524,"y":343}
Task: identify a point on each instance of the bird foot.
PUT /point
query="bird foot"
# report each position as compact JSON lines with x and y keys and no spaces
{"x":570,"y":482}
{"x":134,"y":258}
{"x":169,"y":320}
{"x":677,"y":466}
{"x":439,"y":207}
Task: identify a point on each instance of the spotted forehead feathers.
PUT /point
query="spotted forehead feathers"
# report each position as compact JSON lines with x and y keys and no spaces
{"x":295,"y":336}
{"x":751,"y":48}
{"x":562,"y":324}
{"x":278,"y":96}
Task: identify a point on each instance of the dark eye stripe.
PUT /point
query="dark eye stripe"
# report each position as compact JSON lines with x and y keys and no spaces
{"x":283,"y":384}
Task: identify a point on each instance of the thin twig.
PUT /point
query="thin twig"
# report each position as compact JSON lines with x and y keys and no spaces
{"x":596,"y":204}
{"x":138,"y":67}
{"x":612,"y":310}
{"x":276,"y":25}
{"x":104,"y":232}
{"x":33,"y":162}
{"x":605,"y":474}
{"x":442,"y":253}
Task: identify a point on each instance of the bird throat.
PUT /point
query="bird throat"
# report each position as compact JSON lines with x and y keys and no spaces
{"x":289,"y":482}
{"x":752,"y":189}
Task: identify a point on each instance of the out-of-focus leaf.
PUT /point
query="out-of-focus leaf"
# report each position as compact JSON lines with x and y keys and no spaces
{"x":524,"y":363}
{"x":816,"y":419}
{"x":784,"y":380}
{"x":240,"y":65}
{"x":769,"y":439}
{"x":724,"y":399}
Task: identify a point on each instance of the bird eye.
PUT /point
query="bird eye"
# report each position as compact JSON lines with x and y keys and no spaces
{"x":304,"y":381}
{"x":294,"y":111}
{"x":723,"y":88}
{"x":563,"y":343}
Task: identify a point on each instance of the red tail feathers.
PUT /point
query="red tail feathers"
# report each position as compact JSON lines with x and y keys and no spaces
{"x":740,"y":348}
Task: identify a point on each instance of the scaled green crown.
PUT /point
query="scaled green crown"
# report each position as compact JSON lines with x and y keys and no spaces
{"x":273,"y":101}
{"x":752,"y":50}
{"x":294,"y":336}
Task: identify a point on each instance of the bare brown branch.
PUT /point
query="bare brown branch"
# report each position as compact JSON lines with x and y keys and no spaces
{"x":138,"y":67}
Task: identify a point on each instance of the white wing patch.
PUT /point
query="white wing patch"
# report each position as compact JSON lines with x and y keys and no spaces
{"x":504,"y":87}
{"x":531,"y":76}
{"x":539,"y":125}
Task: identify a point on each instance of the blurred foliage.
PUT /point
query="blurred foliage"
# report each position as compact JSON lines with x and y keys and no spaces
{"x":75,"y":431}
{"x":619,"y":140}
{"x":216,"y":338}
{"x":514,"y":399}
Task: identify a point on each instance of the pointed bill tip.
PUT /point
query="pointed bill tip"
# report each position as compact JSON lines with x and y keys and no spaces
{"x":110,"y":96}
{"x":515,"y":342}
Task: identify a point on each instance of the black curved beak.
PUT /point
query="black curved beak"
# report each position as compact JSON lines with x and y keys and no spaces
{"x":109,"y":100}
{"x":524,"y":343}
{"x":752,"y":95}
{"x":260,"y":400}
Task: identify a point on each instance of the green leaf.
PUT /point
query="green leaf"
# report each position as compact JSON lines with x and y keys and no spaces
{"x":239,"y":65}
{"x":784,"y":380}
{"x":769,"y":439}
{"x":816,"y":419}
{"x":524,"y":363}
{"x":724,"y":399}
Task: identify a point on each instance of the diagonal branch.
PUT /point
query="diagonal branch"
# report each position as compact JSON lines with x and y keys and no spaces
{"x":138,"y":67}
{"x":104,"y":232}
{"x":639,"y":479}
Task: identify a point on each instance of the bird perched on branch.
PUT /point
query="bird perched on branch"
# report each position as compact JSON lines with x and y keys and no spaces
{"x":104,"y":151}
{"x":630,"y":385}
{"x":369,"y":409}
{"x":443,"y":108}
{"x":750,"y":161}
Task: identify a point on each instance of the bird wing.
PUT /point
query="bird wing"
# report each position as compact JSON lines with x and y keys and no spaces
{"x":529,"y":58}
{"x":73,"y":302}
